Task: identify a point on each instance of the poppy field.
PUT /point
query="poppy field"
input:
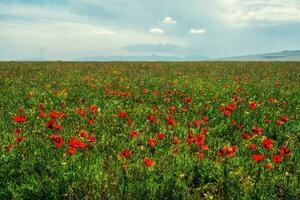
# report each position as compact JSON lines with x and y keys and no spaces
{"x":150,"y":130}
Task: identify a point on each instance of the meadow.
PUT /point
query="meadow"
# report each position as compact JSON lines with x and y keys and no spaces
{"x":150,"y":130}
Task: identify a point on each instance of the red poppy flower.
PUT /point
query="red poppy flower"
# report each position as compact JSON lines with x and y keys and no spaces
{"x":190,"y":138}
{"x":148,"y":162}
{"x":55,"y":114}
{"x":171,"y":120}
{"x":160,"y":136}
{"x":257,"y":130}
{"x":133,"y":134}
{"x":204,"y":131}
{"x":285,"y":151}
{"x":122,"y":114}
{"x":233,"y":122}
{"x":230,"y":151}
{"x":221,"y":152}
{"x":246,"y":136}
{"x":91,"y":138}
{"x":54,"y":136}
{"x":172,"y":108}
{"x":231,"y":107}
{"x":130,"y":122}
{"x":151,"y":118}
{"x":252,"y":147}
{"x":201,"y":137}
{"x":199,"y":142}
{"x":252,"y":105}
{"x":222,"y":108}
{"x":168,"y":92}
{"x":42,"y":114}
{"x":266,"y":120}
{"x":204,"y":118}
{"x":90,"y":121}
{"x":18,"y":131}
{"x":204,"y":147}
{"x":126,"y":94}
{"x":58,"y":127}
{"x":94,"y":108}
{"x":19,"y":140}
{"x":59,"y":141}
{"x":76,"y":143}
{"x":279,"y":122}
{"x":200,"y":156}
{"x":190,"y":141}
{"x":126,"y":153}
{"x":197,"y":123}
{"x":71,"y":150}
{"x":268,"y":143}
{"x":257,"y":157}
{"x":20,"y":119}
{"x":83,"y":134}
{"x":51,"y":123}
{"x":227,"y":113}
{"x":188,"y":100}
{"x":151,"y":142}
{"x":277,"y":158}
{"x":285,"y":118}
{"x":81,"y":112}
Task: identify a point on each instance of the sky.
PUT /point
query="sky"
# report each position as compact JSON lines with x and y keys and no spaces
{"x":68,"y":29}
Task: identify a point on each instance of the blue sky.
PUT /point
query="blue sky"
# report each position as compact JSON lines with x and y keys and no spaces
{"x":67,"y":29}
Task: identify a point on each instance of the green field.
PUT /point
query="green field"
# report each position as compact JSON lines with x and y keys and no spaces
{"x":150,"y":130}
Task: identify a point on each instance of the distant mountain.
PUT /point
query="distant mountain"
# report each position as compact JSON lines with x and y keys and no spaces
{"x":277,"y":56}
{"x":143,"y":58}
{"x":196,"y":57}
{"x":33,"y":59}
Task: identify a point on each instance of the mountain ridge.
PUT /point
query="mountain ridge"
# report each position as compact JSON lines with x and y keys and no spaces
{"x":144,"y":58}
{"x":285,"y":55}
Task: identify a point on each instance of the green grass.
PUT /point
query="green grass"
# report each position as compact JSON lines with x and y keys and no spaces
{"x":36,"y":169}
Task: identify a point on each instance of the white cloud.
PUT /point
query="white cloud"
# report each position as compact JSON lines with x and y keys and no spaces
{"x":67,"y":40}
{"x":261,"y":12}
{"x":103,"y":32}
{"x":197,"y":31}
{"x":64,"y":35}
{"x":169,"y":20}
{"x":156,"y":30}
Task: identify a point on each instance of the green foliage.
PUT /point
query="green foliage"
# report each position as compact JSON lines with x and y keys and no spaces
{"x":37,"y":169}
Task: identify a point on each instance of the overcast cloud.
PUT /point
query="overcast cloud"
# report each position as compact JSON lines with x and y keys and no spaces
{"x":67,"y":29}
